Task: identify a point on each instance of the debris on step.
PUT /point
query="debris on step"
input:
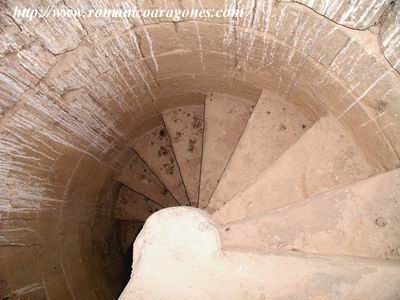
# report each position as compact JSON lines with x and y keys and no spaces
{"x":154,"y":147}
{"x":169,"y":168}
{"x":274,"y":126}
{"x":185,"y":125}
{"x":358,"y":219}
{"x":191,"y":145}
{"x":139,"y":177}
{"x":326,"y":156}
{"x":163,"y":151}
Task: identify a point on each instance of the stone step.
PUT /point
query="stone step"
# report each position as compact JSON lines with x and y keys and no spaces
{"x":179,"y":248}
{"x":132,"y":206}
{"x":359,"y":219}
{"x":185,"y":125}
{"x":326,"y":156}
{"x":273,"y":127}
{"x":139,"y":177}
{"x":154,"y":147}
{"x":225,"y":119}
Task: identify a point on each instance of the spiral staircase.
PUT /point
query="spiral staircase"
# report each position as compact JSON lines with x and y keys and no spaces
{"x":251,"y":157}
{"x":282,"y":191}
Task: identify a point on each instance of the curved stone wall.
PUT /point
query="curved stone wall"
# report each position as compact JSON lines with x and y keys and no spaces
{"x":75,"y":94}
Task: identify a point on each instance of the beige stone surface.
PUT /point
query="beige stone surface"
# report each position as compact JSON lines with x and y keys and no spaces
{"x":389,"y":37}
{"x":178,"y":256}
{"x":272,"y":128}
{"x":326,"y":156}
{"x":50,"y":30}
{"x":359,"y":108}
{"x":139,"y":177}
{"x":185,"y":127}
{"x":132,"y":206}
{"x":76,"y":93}
{"x":226,"y":117}
{"x":356,"y":15}
{"x":360,"y":219}
{"x":182,"y":99}
{"x":155,"y":149}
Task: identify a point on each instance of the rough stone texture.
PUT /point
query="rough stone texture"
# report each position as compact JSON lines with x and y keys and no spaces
{"x":185,"y":127}
{"x":324,"y":157}
{"x":155,"y":149}
{"x":22,"y":72}
{"x":274,"y":126}
{"x":97,"y":29}
{"x":12,"y":38}
{"x":75,"y":94}
{"x":360,"y":107}
{"x":226,"y":117}
{"x":139,"y":177}
{"x":50,"y":30}
{"x":132,"y":206}
{"x":360,"y":219}
{"x":390,"y":37}
{"x":354,"y":14}
{"x":178,"y":255}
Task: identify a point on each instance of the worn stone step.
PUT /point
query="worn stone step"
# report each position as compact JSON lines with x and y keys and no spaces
{"x":154,"y":147}
{"x":185,"y":125}
{"x":326,"y":156}
{"x":139,"y":177}
{"x":273,"y":127}
{"x":359,"y":219}
{"x":132,"y":206}
{"x":179,"y":248}
{"x":225,"y":119}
